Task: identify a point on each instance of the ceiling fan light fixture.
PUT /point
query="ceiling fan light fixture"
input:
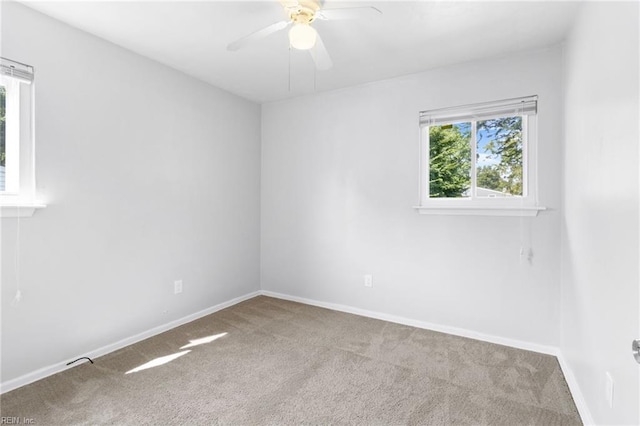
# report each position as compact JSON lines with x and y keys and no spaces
{"x":302,"y":36}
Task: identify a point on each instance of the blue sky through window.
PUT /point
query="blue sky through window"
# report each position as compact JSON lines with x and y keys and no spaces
{"x":483,"y":136}
{"x":485,"y":157}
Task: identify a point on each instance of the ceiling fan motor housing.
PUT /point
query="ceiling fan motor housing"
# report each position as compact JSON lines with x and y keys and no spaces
{"x":304,"y":12}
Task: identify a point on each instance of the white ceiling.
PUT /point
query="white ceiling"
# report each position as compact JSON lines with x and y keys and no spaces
{"x":410,"y":36}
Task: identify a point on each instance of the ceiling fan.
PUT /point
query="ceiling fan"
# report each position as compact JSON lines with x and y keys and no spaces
{"x":302,"y":36}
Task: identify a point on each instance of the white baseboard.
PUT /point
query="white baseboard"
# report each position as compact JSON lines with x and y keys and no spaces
{"x":549,"y":350}
{"x":58,"y":367}
{"x":574,"y":387}
{"x":578,"y":397}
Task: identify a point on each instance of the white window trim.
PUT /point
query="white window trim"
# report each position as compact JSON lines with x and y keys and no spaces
{"x":19,"y":197}
{"x":483,"y":206}
{"x":20,"y":209}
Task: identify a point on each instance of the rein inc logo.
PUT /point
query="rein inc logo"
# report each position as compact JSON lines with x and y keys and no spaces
{"x":17,"y":421}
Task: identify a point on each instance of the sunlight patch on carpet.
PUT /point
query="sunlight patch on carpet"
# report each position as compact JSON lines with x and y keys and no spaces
{"x":158,"y":361}
{"x":203,"y":340}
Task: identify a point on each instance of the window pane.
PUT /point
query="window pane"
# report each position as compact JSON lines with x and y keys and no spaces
{"x":3,"y":149}
{"x":450,"y":160}
{"x":499,"y":157}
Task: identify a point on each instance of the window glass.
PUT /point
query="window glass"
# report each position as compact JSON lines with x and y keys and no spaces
{"x":450,"y":160}
{"x":499,"y":157}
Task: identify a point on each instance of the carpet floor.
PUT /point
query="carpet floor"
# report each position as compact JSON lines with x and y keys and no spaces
{"x":267,"y":361}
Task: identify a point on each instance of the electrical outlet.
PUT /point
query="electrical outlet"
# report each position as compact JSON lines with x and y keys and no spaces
{"x":608,"y":388}
{"x":177,"y":287}
{"x":368,"y":280}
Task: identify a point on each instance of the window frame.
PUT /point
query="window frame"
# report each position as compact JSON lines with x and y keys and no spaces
{"x":19,"y":197}
{"x":527,"y":205}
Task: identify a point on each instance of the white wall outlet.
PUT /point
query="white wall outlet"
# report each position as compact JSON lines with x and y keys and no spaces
{"x":368,"y":280}
{"x":608,"y":389}
{"x":177,"y":287}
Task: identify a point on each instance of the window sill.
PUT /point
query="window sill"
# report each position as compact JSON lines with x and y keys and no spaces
{"x":480,"y":210}
{"x":25,"y":209}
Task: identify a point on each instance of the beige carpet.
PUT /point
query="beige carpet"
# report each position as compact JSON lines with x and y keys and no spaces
{"x":287,"y":363}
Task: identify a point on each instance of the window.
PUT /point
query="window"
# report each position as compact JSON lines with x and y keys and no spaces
{"x":17,"y":168}
{"x":479,"y":159}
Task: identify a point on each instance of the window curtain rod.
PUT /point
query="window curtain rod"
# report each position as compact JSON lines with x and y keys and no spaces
{"x":18,"y":70}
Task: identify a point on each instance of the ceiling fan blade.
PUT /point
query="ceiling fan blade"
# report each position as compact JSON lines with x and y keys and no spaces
{"x":258,"y":35}
{"x":320,"y":55}
{"x":349,"y":13}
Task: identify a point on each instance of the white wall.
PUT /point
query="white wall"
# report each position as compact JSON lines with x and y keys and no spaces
{"x":600,"y":279}
{"x":340,"y":177}
{"x":150,"y":176}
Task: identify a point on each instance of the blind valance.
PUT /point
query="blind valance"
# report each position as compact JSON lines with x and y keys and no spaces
{"x":17,"y":70}
{"x":508,"y":107}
